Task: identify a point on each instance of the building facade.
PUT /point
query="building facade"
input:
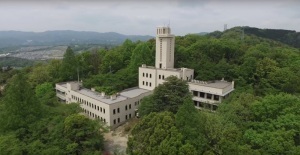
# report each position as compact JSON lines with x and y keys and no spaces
{"x":118,"y":108}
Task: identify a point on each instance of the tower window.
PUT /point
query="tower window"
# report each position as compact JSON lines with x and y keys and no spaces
{"x":159,"y":76}
{"x":150,"y":75}
{"x":146,"y":74}
{"x":150,"y":84}
{"x":160,"y":65}
{"x":143,"y":82}
{"x":143,"y":74}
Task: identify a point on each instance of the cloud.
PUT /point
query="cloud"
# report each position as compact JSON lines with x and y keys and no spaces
{"x":141,"y":17}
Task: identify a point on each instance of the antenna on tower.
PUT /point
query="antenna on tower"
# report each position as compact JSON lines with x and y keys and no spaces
{"x":78,"y":74}
{"x":225,"y":27}
{"x":243,"y":34}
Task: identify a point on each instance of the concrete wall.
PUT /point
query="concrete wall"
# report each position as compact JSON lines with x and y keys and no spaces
{"x":145,"y":81}
{"x":205,"y":89}
{"x":163,"y":74}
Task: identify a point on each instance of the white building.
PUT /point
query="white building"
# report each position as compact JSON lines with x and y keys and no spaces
{"x":206,"y":94}
{"x":116,"y":109}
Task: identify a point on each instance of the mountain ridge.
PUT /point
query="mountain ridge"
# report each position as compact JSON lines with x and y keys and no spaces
{"x":64,"y":37}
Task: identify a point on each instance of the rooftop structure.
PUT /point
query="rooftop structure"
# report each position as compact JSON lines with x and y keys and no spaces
{"x":117,"y":108}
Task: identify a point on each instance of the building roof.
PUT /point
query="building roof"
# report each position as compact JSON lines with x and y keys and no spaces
{"x":213,"y":84}
{"x":166,"y":69}
{"x":125,"y":94}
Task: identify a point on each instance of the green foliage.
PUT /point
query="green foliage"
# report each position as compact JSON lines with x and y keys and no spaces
{"x":20,"y":104}
{"x":68,"y":69}
{"x":166,"y":97}
{"x":82,"y":134}
{"x":156,"y":133}
{"x":9,"y":144}
{"x":45,"y":94}
{"x":107,"y":90}
{"x":190,"y":126}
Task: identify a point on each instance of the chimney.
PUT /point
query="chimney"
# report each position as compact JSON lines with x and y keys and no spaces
{"x":113,"y":97}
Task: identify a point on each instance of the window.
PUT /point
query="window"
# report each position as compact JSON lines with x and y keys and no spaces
{"x":160,"y":64}
{"x":129,"y":115}
{"x":100,"y":109}
{"x":195,"y":93}
{"x":118,"y":120}
{"x":163,"y":77}
{"x":104,"y":120}
{"x":143,"y":82}
{"x":118,"y":110}
{"x":209,"y":96}
{"x":114,"y":121}
{"x":129,"y":106}
{"x":103,"y":110}
{"x":150,"y":84}
{"x":126,"y":117}
{"x":146,"y":83}
{"x":125,"y":107}
{"x":146,"y":74}
{"x":202,"y":94}
{"x":114,"y":111}
{"x":196,"y":103}
{"x":215,"y":107}
{"x":150,"y":75}
{"x":143,"y":74}
{"x":159,"y":76}
{"x":216,"y":97}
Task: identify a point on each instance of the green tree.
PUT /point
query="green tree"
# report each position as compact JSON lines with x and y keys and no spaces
{"x":83,"y":134}
{"x":189,"y":125}
{"x":68,"y":70}
{"x":20,"y":104}
{"x":156,"y":133}
{"x":9,"y":144}
{"x":166,"y":97}
{"x":45,"y":94}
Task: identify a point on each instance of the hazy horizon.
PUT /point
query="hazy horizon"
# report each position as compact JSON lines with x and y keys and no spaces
{"x":141,"y":17}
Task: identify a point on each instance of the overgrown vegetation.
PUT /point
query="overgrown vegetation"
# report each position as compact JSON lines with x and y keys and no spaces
{"x":260,"y":117}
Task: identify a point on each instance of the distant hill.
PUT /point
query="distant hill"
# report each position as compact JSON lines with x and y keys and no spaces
{"x":64,"y":37}
{"x":289,"y":37}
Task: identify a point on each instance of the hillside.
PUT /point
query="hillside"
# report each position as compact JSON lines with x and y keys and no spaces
{"x":64,"y":37}
{"x":289,"y":37}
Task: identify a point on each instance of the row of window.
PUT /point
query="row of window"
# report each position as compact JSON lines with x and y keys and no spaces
{"x":208,"y":96}
{"x":126,"y":107}
{"x":126,"y":117}
{"x":146,"y":74}
{"x":205,"y":105}
{"x":146,"y":83}
{"x":89,"y":104}
{"x":94,"y":116}
{"x":161,"y":77}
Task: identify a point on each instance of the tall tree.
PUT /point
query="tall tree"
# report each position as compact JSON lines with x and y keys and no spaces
{"x":167,"y":96}
{"x":20,"y":104}
{"x":69,"y":66}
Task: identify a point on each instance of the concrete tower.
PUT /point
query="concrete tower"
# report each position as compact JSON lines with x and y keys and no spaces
{"x":165,"y":42}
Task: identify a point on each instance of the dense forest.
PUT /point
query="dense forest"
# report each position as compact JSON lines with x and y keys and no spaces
{"x":261,"y":117}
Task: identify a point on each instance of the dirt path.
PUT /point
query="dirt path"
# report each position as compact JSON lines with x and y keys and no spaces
{"x":116,"y":141}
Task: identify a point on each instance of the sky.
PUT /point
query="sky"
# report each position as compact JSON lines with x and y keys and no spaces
{"x":141,"y":17}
